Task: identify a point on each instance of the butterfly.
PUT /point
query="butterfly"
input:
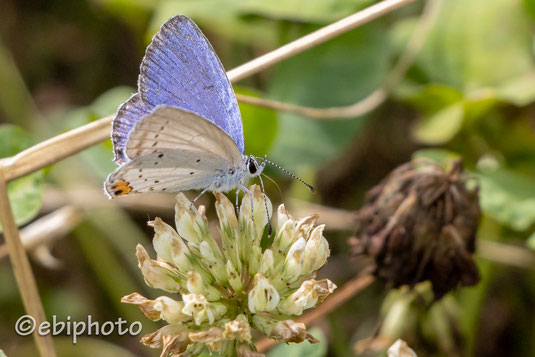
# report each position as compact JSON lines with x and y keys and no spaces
{"x":183,"y":129}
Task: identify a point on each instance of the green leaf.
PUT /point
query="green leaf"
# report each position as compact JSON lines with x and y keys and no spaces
{"x":303,"y":349}
{"x":430,"y":98}
{"x":133,"y":12}
{"x":337,"y":73}
{"x":108,"y":102}
{"x":508,"y":197}
{"x":259,"y":125}
{"x":314,"y":11}
{"x":440,"y":127}
{"x":519,"y":91}
{"x":479,"y":104}
{"x":529,"y":5}
{"x":531,"y":241}
{"x":478,"y":43}
{"x":16,"y":104}
{"x":437,"y":155}
{"x":25,"y":193}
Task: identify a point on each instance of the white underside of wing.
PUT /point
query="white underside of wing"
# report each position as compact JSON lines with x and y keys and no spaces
{"x":171,"y":128}
{"x":175,"y":150}
{"x":171,"y":171}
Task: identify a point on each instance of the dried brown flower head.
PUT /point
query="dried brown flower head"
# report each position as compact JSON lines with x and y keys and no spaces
{"x":420,"y":224}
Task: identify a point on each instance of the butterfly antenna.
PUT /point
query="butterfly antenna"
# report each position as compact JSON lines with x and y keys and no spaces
{"x":275,"y":183}
{"x":290,"y":174}
{"x":270,"y":229}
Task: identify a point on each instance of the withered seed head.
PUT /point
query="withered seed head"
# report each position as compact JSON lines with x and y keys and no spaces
{"x":420,"y":224}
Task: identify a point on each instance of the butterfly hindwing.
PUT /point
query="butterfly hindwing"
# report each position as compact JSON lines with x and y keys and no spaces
{"x":171,"y":171}
{"x":173,"y":150}
{"x":129,"y":113}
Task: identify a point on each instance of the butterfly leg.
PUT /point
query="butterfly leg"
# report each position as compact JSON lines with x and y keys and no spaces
{"x":192,"y":206}
{"x":237,"y":206}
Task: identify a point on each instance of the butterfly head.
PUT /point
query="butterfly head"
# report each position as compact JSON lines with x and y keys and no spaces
{"x":254,"y":168}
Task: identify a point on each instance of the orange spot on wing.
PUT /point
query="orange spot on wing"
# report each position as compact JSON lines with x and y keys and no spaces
{"x":121,"y":187}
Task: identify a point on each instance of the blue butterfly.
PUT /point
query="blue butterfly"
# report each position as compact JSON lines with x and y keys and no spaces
{"x":183,"y":128}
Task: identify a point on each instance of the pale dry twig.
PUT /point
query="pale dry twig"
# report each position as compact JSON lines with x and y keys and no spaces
{"x":47,"y":228}
{"x":23,"y":271}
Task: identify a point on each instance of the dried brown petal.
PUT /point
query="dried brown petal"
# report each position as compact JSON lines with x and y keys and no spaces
{"x":173,"y":339}
{"x":291,"y":331}
{"x":400,"y":349}
{"x":145,"y":305}
{"x":324,"y":288}
{"x":238,"y":328}
{"x":211,"y":337}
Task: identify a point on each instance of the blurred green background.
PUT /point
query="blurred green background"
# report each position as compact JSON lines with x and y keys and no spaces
{"x":468,"y":92}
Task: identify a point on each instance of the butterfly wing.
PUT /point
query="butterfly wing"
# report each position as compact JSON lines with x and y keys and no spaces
{"x":181,"y":69}
{"x":128,"y":114}
{"x":173,"y":150}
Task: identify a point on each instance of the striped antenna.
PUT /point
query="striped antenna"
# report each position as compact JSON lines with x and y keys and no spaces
{"x":290,"y":174}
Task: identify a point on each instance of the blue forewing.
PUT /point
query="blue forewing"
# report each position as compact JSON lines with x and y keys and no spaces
{"x":180,"y":69}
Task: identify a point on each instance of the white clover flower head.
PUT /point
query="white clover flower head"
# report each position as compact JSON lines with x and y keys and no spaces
{"x":226,"y":289}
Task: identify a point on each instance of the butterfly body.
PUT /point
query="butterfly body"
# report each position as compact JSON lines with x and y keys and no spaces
{"x":183,"y":129}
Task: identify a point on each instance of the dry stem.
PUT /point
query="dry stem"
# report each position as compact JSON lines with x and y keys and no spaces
{"x":361,"y":107}
{"x":507,"y":254}
{"x":23,"y":271}
{"x":48,"y":228}
{"x":56,"y":149}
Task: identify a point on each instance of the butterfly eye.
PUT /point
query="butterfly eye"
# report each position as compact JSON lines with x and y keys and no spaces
{"x":252,"y":167}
